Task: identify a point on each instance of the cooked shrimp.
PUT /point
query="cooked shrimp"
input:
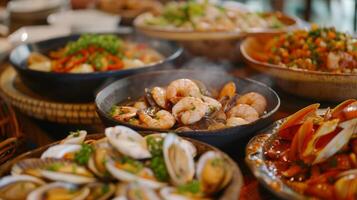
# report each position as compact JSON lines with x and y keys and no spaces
{"x":213,"y":104}
{"x":228,"y":90}
{"x":189,"y":110}
{"x":254,"y":99}
{"x":161,"y":120}
{"x":182,"y":88}
{"x":236,"y":121}
{"x":159,"y":96}
{"x":140,"y":105}
{"x":124,"y":113}
{"x":243,"y":111}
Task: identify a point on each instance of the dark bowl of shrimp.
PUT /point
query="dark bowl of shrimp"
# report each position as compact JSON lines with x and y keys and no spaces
{"x":73,"y":68}
{"x":189,"y":103}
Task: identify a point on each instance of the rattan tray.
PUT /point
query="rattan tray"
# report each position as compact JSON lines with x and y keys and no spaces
{"x":33,"y":105}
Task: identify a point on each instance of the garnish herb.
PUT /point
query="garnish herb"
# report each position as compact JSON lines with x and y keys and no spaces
{"x":192,"y":187}
{"x":82,"y":156}
{"x":157,"y":163}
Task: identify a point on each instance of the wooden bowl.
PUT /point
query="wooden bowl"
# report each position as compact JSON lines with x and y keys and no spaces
{"x":230,"y":193}
{"x":322,"y":86}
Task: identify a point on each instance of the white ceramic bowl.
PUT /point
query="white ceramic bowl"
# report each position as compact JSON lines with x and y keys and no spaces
{"x":85,"y":21}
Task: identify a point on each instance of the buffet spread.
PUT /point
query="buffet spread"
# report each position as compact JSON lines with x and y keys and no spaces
{"x":167,"y":128}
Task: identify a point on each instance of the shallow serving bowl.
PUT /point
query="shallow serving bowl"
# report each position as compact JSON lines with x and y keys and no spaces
{"x":230,"y":193}
{"x":262,"y":169}
{"x":133,"y":87}
{"x":71,"y":87}
{"x":185,"y":35}
{"x":309,"y":84}
{"x":213,"y":44}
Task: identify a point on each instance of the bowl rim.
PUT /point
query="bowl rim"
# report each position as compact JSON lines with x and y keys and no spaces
{"x":249,"y":59}
{"x":183,"y":34}
{"x":195,"y":132}
{"x":234,"y":186}
{"x":177,"y":51}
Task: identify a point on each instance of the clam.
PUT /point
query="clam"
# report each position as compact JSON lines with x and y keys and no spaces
{"x":96,"y":163}
{"x":128,"y":142}
{"x":171,"y":193}
{"x":76,"y":137}
{"x":186,"y":143}
{"x":213,"y":172}
{"x":135,"y":191}
{"x":100,"y":191}
{"x":18,"y":187}
{"x":61,"y":151}
{"x":59,"y":190}
{"x":178,"y":159}
{"x":55,"y":170}
{"x":132,"y":171}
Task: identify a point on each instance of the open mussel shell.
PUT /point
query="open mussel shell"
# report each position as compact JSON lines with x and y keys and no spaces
{"x":18,"y":187}
{"x":54,"y":169}
{"x":59,"y":190}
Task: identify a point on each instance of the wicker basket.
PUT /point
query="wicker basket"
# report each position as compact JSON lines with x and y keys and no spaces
{"x":10,"y":133}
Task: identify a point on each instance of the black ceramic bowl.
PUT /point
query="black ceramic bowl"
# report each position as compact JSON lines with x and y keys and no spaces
{"x":133,"y":87}
{"x":80,"y":87}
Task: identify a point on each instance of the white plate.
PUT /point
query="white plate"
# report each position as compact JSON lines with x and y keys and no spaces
{"x":85,"y":20}
{"x":28,"y":34}
{"x":26,"y":6}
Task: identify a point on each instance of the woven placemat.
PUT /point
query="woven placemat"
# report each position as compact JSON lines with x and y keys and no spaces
{"x":13,"y":90}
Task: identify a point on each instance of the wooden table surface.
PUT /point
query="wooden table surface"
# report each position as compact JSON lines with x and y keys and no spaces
{"x":38,"y":133}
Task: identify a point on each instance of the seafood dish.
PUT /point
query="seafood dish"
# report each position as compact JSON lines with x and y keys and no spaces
{"x":209,"y":16}
{"x":312,"y":152}
{"x":95,"y":53}
{"x":122,"y":165}
{"x":318,"y":49}
{"x":186,"y":105}
{"x":129,"y":9}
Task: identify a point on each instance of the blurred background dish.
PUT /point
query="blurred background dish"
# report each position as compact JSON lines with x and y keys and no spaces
{"x":29,"y":12}
{"x":79,"y":21}
{"x":29,"y":34}
{"x":302,"y":82}
{"x":80,"y":87}
{"x":129,"y":9}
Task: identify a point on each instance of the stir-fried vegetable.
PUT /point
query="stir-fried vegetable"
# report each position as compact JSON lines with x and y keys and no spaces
{"x":204,"y":15}
{"x":92,"y":53}
{"x":320,"y":49}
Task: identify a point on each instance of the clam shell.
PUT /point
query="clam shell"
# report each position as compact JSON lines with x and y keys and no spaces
{"x":106,"y":195}
{"x":128,"y":142}
{"x":41,"y":165}
{"x":174,"y":146}
{"x":73,"y":138}
{"x":60,"y":150}
{"x":131,"y":190}
{"x":123,"y":175}
{"x":39,"y":192}
{"x":9,"y":189}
